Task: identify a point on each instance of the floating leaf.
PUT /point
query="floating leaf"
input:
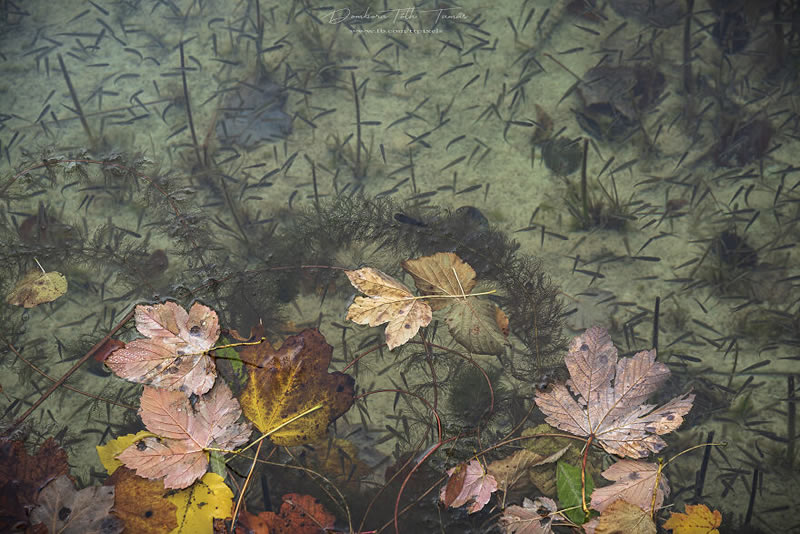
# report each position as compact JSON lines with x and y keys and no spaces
{"x":507,"y":471}
{"x":287,"y":382}
{"x":568,"y":482}
{"x":443,"y":274}
{"x":476,"y":486}
{"x":634,"y":482}
{"x":22,"y":475}
{"x":533,"y":517}
{"x":615,"y":416}
{"x":299,"y":514}
{"x":175,"y":354}
{"x":389,"y":301}
{"x":36,"y":288}
{"x":64,"y":510}
{"x":108,"y":453}
{"x":179,"y":455}
{"x":698,"y":519}
{"x":621,"y":516}
{"x":199,"y":505}
{"x":140,"y":503}
{"x":473,"y":324}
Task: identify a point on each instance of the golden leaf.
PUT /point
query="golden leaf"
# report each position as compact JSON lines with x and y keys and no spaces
{"x":698,"y":519}
{"x":108,"y":452}
{"x":290,"y":381}
{"x":442,"y":274}
{"x":36,"y":288}
{"x":625,"y":517}
{"x":389,"y":301}
{"x":200,"y":504}
{"x":140,"y":503}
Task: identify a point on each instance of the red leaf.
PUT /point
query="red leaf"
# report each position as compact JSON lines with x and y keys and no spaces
{"x":174,"y":355}
{"x":477,"y":487}
{"x":179,"y":455}
{"x":299,"y":514}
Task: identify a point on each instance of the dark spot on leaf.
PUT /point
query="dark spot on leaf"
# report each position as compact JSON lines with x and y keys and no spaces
{"x":406,"y":325}
{"x":63,"y":513}
{"x":584,"y":347}
{"x":339,"y":388}
{"x":148,"y":514}
{"x":634,"y":476}
{"x":195,"y":330}
{"x":141,"y":445}
{"x":670,"y":417}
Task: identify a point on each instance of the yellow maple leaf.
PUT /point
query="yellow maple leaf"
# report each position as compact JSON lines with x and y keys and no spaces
{"x":108,"y":452}
{"x":292,"y":381}
{"x":698,"y":519}
{"x":201,"y":503}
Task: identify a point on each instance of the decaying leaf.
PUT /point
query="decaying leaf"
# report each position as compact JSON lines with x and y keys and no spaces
{"x":388,"y":301}
{"x":698,"y":519}
{"x":65,"y":510}
{"x":614,"y":415}
{"x":141,"y":504}
{"x":202,"y":503}
{"x":533,"y":517}
{"x":621,"y":516}
{"x":476,"y":486}
{"x":108,"y":453}
{"x":36,"y":288}
{"x":22,"y":475}
{"x":634,"y":482}
{"x":291,"y":380}
{"x":473,"y":324}
{"x":299,"y":514}
{"x":179,"y":455}
{"x":174,"y":354}
{"x":442,"y":274}
{"x":507,"y":471}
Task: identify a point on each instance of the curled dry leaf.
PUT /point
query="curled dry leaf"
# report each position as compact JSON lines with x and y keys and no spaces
{"x":698,"y":519}
{"x":614,"y":415}
{"x":634,"y":482}
{"x":468,"y":483}
{"x":65,"y":510}
{"x":174,"y":355}
{"x":388,"y":301}
{"x":37,"y":288}
{"x":291,"y":380}
{"x":621,"y":516}
{"x":533,"y":517}
{"x":179,"y":456}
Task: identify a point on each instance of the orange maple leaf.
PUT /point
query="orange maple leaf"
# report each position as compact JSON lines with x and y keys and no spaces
{"x":614,"y":415}
{"x":698,"y":519}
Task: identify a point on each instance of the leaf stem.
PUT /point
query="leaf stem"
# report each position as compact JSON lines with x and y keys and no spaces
{"x":266,"y":434}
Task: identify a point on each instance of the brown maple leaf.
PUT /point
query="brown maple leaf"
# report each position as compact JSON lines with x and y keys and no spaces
{"x":469,"y":483}
{"x":174,"y":354}
{"x":299,"y":514}
{"x":614,"y":415}
{"x":533,"y":517}
{"x":179,"y":455}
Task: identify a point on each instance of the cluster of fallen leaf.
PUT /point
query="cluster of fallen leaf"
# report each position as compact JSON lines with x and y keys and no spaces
{"x":192,"y":419}
{"x":603,"y":402}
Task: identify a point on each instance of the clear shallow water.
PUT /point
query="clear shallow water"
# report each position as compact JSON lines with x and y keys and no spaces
{"x":696,"y":207}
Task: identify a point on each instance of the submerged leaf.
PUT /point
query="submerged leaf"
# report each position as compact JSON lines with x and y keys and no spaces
{"x":287,"y":382}
{"x":533,"y":517}
{"x":624,"y":517}
{"x":568,"y":482}
{"x":473,"y":324}
{"x":65,"y":510}
{"x":615,"y":415}
{"x":299,"y":514}
{"x":388,"y":301}
{"x":140,"y":503}
{"x":175,"y":354}
{"x":37,"y":288}
{"x":443,"y":274}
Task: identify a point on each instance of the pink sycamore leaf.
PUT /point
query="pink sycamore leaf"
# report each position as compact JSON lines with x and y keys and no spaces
{"x":614,"y":415}
{"x":533,"y":517}
{"x":634,"y":482}
{"x":179,"y":454}
{"x":174,"y":354}
{"x":478,"y":486}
